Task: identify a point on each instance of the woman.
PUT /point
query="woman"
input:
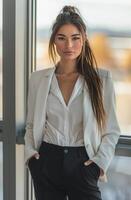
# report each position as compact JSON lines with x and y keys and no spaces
{"x":71,"y":128}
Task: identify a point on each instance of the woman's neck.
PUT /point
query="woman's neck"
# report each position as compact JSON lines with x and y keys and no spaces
{"x":66,"y":68}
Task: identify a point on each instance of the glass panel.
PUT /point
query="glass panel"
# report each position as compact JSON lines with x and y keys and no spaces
{"x":110,"y":39}
{"x":20,"y":172}
{"x":119,"y":180}
{"x":1,"y":61}
{"x":1,"y":171}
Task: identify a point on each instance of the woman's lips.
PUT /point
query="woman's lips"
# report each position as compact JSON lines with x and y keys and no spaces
{"x":68,"y":52}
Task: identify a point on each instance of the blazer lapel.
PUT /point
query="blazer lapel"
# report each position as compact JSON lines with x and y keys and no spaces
{"x":40,"y":108}
{"x":87,"y":114}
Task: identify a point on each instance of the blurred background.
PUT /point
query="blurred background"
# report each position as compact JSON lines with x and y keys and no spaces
{"x":109,"y":32}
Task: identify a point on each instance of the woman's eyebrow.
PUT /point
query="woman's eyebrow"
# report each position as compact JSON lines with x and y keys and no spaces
{"x":76,"y":34}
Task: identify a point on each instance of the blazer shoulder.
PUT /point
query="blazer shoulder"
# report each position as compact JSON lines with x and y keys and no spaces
{"x":42,"y":72}
{"x":104,"y":73}
{"x":37,"y":75}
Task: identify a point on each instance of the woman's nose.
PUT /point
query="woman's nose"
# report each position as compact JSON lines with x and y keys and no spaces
{"x":69,"y":43}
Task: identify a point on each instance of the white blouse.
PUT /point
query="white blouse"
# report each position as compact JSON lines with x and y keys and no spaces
{"x":64,"y":123}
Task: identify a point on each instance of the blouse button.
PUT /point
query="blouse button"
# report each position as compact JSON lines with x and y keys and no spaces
{"x":65,"y":150}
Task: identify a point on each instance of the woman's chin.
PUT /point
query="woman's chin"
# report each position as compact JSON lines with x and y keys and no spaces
{"x":67,"y":58}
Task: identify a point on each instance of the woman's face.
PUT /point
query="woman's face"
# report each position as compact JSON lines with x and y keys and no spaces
{"x":69,"y":42}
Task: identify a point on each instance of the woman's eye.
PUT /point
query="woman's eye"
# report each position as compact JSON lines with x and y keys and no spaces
{"x":61,"y":38}
{"x":76,"y":38}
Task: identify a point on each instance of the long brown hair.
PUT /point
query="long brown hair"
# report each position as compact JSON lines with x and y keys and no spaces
{"x":86,"y":63}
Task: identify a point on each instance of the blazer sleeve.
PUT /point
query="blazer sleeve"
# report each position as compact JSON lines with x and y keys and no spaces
{"x":29,"y":139}
{"x":110,"y":137}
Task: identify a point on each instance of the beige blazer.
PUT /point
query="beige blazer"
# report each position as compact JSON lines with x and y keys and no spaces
{"x":100,"y":147}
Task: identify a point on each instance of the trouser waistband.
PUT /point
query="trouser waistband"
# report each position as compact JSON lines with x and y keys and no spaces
{"x":45,"y":146}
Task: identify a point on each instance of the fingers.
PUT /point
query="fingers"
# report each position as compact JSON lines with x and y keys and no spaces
{"x":37,"y":155}
{"x":101,"y":172}
{"x":88,"y":162}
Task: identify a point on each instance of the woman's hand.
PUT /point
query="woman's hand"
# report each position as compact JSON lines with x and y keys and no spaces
{"x":88,"y":162}
{"x":36,"y":155}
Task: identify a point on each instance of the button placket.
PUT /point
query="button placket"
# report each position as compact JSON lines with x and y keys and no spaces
{"x":66,"y":127}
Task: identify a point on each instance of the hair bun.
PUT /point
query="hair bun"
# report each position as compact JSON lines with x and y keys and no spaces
{"x":69,"y":9}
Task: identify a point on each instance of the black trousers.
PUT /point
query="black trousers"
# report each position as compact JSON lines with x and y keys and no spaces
{"x":60,"y":172}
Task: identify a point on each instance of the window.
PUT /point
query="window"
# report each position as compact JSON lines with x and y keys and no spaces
{"x":119,"y":180}
{"x":1,"y":170}
{"x":1,"y":113}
